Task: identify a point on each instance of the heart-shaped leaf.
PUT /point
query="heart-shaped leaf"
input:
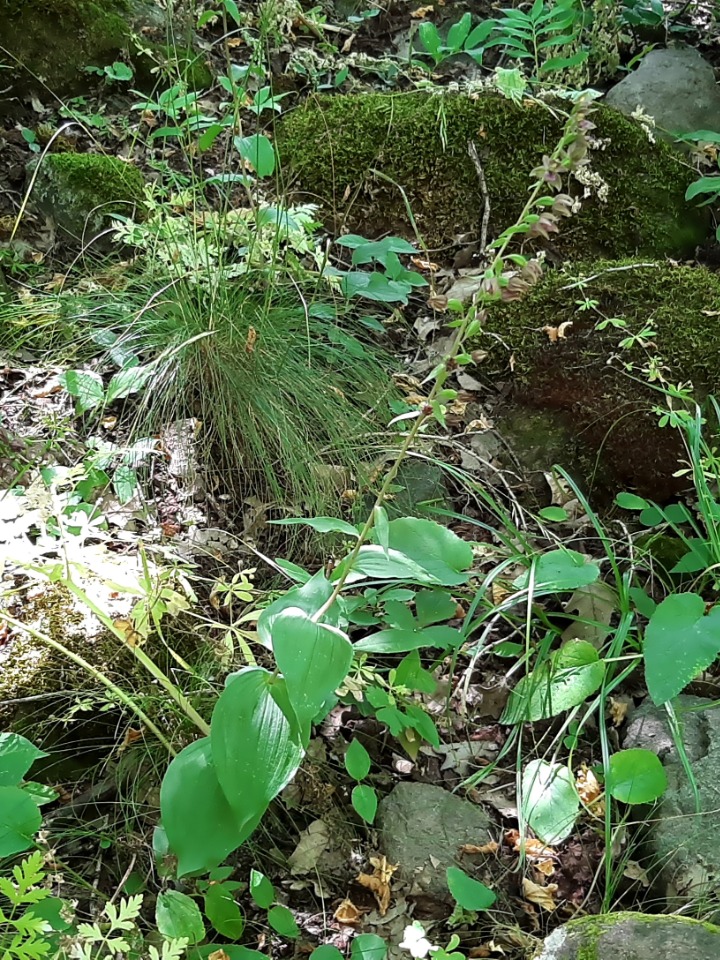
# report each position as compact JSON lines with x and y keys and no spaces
{"x":17,"y":755}
{"x":559,"y":570}
{"x":550,"y":802}
{"x":636,"y":776}
{"x":178,"y":916}
{"x":439,"y":551}
{"x":681,"y":641}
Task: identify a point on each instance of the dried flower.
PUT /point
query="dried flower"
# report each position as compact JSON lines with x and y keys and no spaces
{"x":545,"y":224}
{"x":563,"y":205}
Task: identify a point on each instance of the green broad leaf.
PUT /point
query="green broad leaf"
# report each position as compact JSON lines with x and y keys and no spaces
{"x":398,"y":640}
{"x":434,"y":606}
{"x":458,"y":33}
{"x":199,"y":823}
{"x":434,"y":548}
{"x":223,"y":912}
{"x":126,"y":382}
{"x":468,"y":893}
{"x":559,"y":570}
{"x":255,"y":749}
{"x":381,"y":527}
{"x":681,"y":641}
{"x":368,"y":946}
{"x":698,"y":558}
{"x":365,"y":802}
{"x":326,"y":951}
{"x":704,"y":185}
{"x":85,"y":386}
{"x":379,"y":564}
{"x":550,"y":802}
{"x":258,"y":151}
{"x":177,"y":915}
{"x":357,"y":760}
{"x":261,"y":890}
{"x":314,"y":660}
{"x":125,"y":483}
{"x":39,"y":792}
{"x":636,"y":776}
{"x":53,"y":911}
{"x":17,"y":755}
{"x":629,"y":501}
{"x":411,"y":674}
{"x":422,"y":723}
{"x":20,"y":820}
{"x":567,"y":678}
{"x":553,"y":514}
{"x":208,"y":137}
{"x":283,"y":922}
{"x":394,"y":718}
{"x":429,"y":38}
{"x":309,"y":596}
{"x":321,"y":524}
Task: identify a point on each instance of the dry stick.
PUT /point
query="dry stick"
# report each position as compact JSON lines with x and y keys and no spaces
{"x":485,"y":222}
{"x":427,"y":409}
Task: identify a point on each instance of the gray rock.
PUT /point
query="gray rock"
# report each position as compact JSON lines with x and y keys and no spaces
{"x":676,"y":86}
{"x":632,"y":936}
{"x":422,"y":828}
{"x":684,"y":864}
{"x":424,"y":488}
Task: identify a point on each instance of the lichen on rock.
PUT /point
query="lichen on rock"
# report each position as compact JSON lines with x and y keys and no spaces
{"x":418,"y":142}
{"x":81,"y":190}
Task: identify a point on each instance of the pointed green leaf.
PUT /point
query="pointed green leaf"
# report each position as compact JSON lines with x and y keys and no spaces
{"x":357,"y":760}
{"x":468,"y":893}
{"x":314,"y":659}
{"x":550,"y":801}
{"x":17,"y":755}
{"x":365,"y":802}
{"x":178,"y":916}
{"x":255,"y":749}
{"x":681,"y":641}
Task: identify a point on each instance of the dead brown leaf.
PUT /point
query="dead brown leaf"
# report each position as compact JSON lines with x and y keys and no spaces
{"x":588,"y":787}
{"x":379,"y":881}
{"x":491,"y":847}
{"x":633,"y":871}
{"x":218,"y":955}
{"x":618,"y":711}
{"x":540,"y":896}
{"x":422,"y":12}
{"x":559,"y":332}
{"x":348,"y":914}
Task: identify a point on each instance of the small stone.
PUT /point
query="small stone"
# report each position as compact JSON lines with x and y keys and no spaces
{"x":422,"y":828}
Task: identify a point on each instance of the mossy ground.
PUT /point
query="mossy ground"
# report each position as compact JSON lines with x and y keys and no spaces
{"x":420,"y":141}
{"x":581,"y":376}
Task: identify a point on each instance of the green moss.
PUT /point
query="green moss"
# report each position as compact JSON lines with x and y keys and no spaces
{"x":81,"y":190}
{"x":681,"y":302}
{"x":54,"y":39}
{"x":592,"y":928}
{"x":582,"y":377}
{"x":420,"y":141}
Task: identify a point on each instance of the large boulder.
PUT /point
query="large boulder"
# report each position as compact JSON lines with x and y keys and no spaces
{"x":582,"y":376}
{"x":52,"y":41}
{"x":676,"y":87}
{"x":418,"y":143}
{"x":632,"y":936}
{"x":679,"y":858}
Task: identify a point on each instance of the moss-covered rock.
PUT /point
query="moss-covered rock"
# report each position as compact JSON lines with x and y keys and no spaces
{"x":52,"y":40}
{"x":622,"y":936}
{"x":80,"y":191}
{"x":583,"y":375}
{"x":420,"y":141}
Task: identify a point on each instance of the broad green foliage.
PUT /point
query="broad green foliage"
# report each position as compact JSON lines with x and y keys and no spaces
{"x":550,"y":802}
{"x":682,"y":639}
{"x":215,"y":792}
{"x":636,"y":776}
{"x":468,"y":893}
{"x":564,"y":680}
{"x":20,"y":816}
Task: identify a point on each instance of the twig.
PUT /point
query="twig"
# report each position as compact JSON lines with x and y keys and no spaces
{"x":485,"y":221}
